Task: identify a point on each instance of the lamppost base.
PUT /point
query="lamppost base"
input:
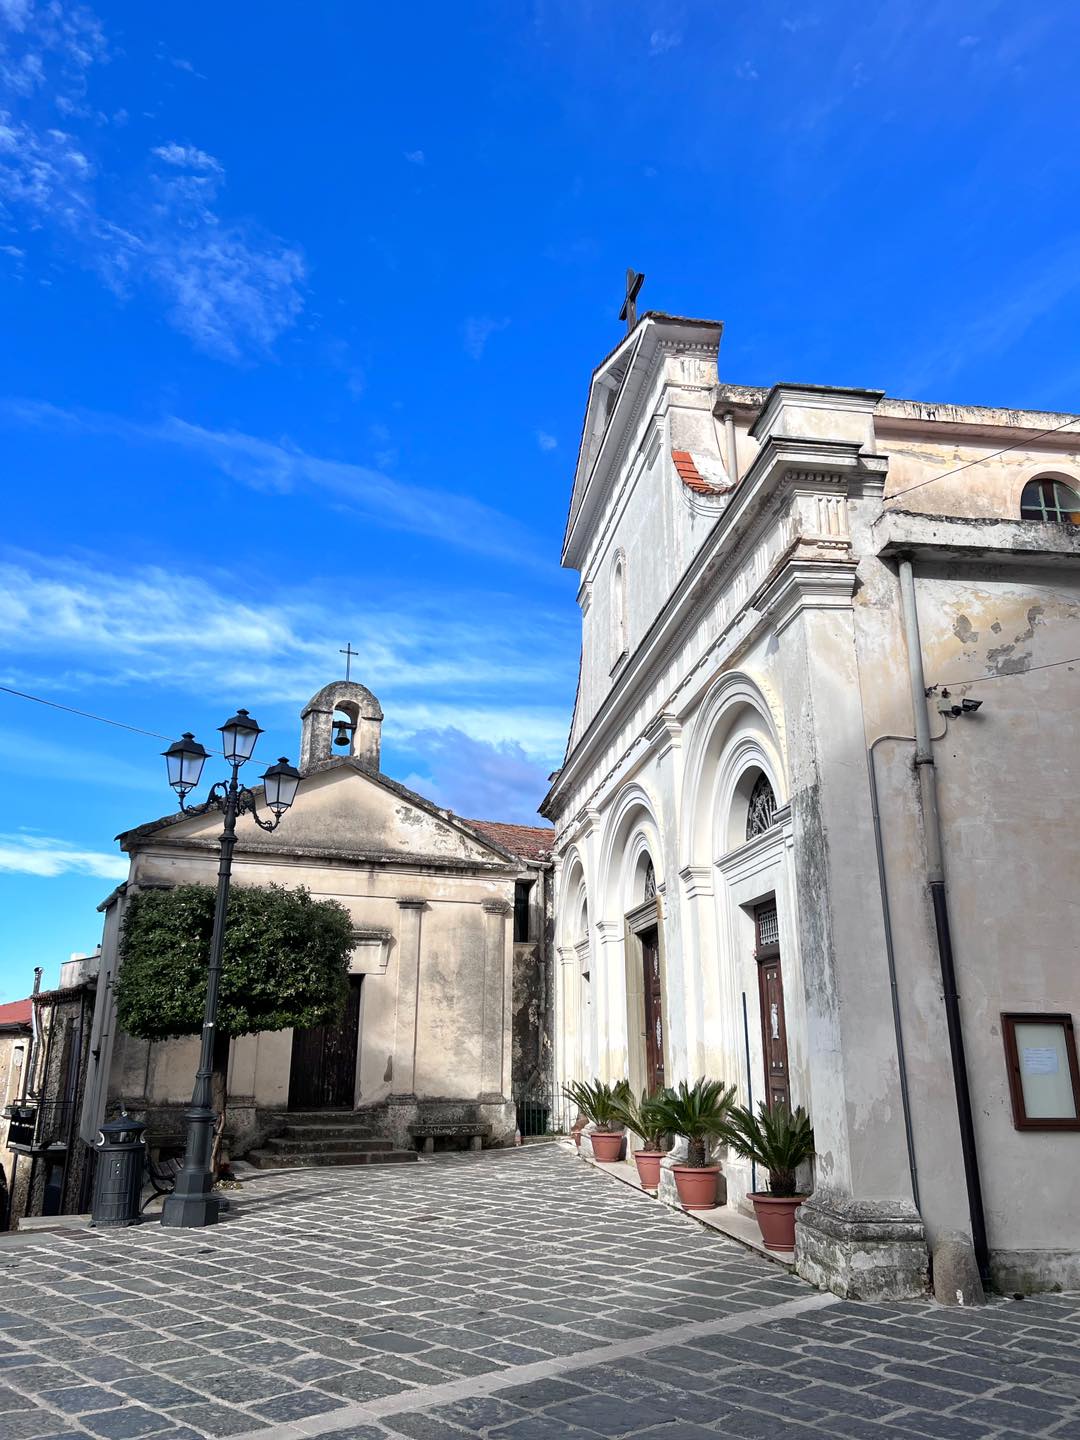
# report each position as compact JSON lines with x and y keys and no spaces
{"x":190,"y":1212}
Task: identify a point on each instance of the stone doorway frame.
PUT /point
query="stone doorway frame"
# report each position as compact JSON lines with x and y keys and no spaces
{"x":643,"y":918}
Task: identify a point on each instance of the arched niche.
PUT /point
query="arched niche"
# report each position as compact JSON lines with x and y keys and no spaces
{"x":734,"y":739}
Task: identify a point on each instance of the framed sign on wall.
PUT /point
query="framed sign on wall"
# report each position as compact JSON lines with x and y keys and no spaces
{"x":1044,"y":1078}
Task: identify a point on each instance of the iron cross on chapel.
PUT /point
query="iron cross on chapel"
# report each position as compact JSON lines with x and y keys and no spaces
{"x":350,"y":655}
{"x":634,"y":282}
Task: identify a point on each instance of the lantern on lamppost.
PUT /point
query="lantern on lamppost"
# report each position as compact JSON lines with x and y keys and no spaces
{"x":192,"y":1202}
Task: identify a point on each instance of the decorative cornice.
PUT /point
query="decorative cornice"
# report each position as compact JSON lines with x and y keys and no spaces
{"x":663,"y":733}
{"x":496,"y":907}
{"x":806,"y":584}
{"x":697,"y":880}
{"x":412,"y":902}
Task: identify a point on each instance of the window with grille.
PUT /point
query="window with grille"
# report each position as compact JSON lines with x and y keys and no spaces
{"x":768,"y":926}
{"x":761,"y":812}
{"x":1050,"y":500}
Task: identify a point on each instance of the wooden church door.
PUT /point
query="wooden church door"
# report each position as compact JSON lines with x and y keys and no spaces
{"x":323,"y":1072}
{"x":771,"y":1000}
{"x":654,"y":1019}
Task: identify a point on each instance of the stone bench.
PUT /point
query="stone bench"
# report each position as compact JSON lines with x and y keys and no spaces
{"x":427,"y":1132}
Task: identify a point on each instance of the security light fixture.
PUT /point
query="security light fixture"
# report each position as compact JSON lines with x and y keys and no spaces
{"x":947,"y":706}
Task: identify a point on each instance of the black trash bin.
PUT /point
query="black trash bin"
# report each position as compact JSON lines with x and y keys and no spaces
{"x":121,"y":1155}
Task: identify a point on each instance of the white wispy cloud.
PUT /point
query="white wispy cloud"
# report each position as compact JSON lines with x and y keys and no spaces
{"x":187,"y":156}
{"x":415,"y":157}
{"x":478,"y":330}
{"x":746,"y":70}
{"x":661,"y":41}
{"x":232,"y":289}
{"x":546,"y":441}
{"x":284,"y":468}
{"x":495,"y":667}
{"x":45,"y":857}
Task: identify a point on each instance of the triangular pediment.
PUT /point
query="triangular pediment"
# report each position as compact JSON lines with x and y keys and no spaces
{"x":342,"y":808}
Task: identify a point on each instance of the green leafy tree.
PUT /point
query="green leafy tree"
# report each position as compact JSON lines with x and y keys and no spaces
{"x":285,"y":963}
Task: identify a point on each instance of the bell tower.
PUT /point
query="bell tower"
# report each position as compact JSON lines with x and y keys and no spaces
{"x":343,"y":720}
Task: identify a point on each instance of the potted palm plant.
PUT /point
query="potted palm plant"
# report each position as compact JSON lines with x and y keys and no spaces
{"x":699,"y":1113}
{"x":645,"y":1117}
{"x":779,"y":1140}
{"x":599,"y":1103}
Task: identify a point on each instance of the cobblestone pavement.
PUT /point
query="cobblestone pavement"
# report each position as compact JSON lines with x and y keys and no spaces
{"x":518,"y":1296}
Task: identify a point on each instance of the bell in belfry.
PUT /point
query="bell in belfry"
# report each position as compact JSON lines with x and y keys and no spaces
{"x":342,"y":733}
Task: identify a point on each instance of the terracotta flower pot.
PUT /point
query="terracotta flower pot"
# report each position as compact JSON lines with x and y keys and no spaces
{"x":648,"y":1168}
{"x":606,"y":1147}
{"x":776,"y":1218}
{"x":696,"y":1185}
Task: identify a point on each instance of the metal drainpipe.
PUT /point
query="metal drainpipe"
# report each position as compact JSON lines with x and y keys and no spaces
{"x":890,"y":956}
{"x":935,"y":876}
{"x":732,"y":453}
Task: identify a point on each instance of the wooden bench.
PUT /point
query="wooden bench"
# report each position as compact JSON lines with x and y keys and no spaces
{"x":161,"y":1175}
{"x":427,"y":1132}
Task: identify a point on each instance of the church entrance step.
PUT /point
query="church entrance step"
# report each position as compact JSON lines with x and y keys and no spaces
{"x":328,"y":1132}
{"x":286,"y":1160}
{"x":326,"y":1117}
{"x":332,"y":1144}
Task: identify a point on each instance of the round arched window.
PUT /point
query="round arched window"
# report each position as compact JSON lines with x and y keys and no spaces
{"x":761,"y":812}
{"x":1050,"y":500}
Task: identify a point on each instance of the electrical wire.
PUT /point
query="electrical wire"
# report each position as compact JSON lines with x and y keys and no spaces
{"x":1007,"y":674}
{"x":1028,"y":439}
{"x":85,"y":714}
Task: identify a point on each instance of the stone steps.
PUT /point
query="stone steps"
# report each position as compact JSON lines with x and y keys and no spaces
{"x":317,"y":1133}
{"x":326,"y":1137}
{"x":330,"y":1144}
{"x":286,"y":1160}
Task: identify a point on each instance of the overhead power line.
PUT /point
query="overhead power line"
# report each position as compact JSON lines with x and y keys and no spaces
{"x":983,"y":458}
{"x":85,"y":714}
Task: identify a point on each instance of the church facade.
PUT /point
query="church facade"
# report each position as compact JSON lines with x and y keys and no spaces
{"x":816,"y":823}
{"x":448,"y":1015}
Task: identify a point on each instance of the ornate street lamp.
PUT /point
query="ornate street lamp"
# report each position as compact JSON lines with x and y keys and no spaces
{"x":193,"y":1202}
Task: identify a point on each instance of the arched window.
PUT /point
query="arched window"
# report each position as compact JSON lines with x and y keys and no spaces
{"x":1051,"y":500}
{"x":761,"y":812}
{"x":618,"y":605}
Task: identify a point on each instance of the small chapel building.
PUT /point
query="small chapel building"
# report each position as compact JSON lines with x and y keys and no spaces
{"x":448,"y":1021}
{"x":817,"y":820}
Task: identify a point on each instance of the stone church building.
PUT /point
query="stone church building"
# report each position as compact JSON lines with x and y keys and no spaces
{"x":817,"y":821}
{"x":448,"y":1019}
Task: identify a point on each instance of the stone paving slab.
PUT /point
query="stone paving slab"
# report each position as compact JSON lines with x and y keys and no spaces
{"x":508,"y":1294}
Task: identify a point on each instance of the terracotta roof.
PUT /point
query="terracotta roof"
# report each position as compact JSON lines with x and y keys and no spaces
{"x":529,"y":842}
{"x":692,"y":477}
{"x":16,"y":1013}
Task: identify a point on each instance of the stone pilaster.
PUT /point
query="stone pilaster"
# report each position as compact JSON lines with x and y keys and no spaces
{"x":496,"y":1018}
{"x":406,"y":1028}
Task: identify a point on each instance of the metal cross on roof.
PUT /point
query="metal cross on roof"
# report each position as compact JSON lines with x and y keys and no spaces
{"x":349,"y":654}
{"x":634,"y":282}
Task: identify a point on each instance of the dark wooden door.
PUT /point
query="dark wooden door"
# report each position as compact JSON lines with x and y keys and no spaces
{"x":654,"y":1010}
{"x":323,"y":1073}
{"x":771,"y":1001}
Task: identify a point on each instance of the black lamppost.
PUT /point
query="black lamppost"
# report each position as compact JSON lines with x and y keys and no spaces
{"x":192,"y":1202}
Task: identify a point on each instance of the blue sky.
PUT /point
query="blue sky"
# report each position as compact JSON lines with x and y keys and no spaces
{"x":299,"y":306}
